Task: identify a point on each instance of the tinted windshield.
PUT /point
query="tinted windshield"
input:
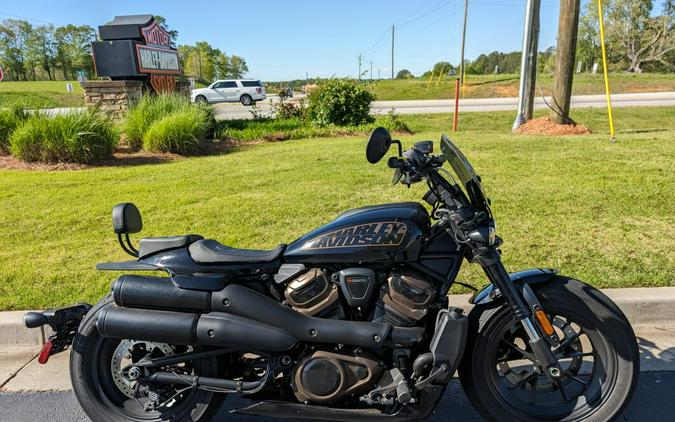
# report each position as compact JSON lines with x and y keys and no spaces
{"x":468,"y":178}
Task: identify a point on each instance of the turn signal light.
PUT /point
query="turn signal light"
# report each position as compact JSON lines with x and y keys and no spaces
{"x":544,"y":323}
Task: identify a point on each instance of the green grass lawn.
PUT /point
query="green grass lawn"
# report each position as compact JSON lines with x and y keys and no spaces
{"x":41,"y":94}
{"x":598,"y":211}
{"x":486,"y":86}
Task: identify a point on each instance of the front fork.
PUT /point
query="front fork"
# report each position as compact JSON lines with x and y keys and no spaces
{"x":526,"y":309}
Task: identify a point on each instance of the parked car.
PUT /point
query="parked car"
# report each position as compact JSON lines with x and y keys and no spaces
{"x":246,"y":91}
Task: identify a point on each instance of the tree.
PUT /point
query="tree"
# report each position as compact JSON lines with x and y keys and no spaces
{"x":73,"y":49}
{"x":14,"y":36}
{"x":41,"y":50}
{"x":404,"y":74}
{"x":642,"y":38}
{"x":238,"y":67}
{"x":161,"y":21}
{"x":588,"y":42}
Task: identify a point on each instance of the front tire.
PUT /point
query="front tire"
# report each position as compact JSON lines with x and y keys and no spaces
{"x":104,"y":398}
{"x":598,"y":353}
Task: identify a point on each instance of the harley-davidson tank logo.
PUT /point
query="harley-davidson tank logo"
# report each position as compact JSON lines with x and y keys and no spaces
{"x":389,"y":233}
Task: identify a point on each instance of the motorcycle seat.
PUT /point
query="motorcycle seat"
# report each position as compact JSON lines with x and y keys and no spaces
{"x":209,"y":251}
{"x":150,"y":245}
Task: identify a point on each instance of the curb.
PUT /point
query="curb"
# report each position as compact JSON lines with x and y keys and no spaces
{"x":642,"y":306}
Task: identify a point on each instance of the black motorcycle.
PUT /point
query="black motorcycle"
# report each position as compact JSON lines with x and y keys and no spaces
{"x":349,"y":322}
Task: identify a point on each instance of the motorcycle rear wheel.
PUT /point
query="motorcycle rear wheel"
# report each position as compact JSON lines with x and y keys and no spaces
{"x":598,"y":354}
{"x":102,"y":395}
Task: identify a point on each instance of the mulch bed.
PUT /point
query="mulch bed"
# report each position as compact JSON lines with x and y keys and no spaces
{"x":545,"y":126}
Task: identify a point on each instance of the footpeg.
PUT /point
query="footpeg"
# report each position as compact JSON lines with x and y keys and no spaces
{"x":402,"y":390}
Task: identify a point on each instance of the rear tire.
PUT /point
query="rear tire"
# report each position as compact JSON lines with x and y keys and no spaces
{"x":200,"y":99}
{"x":102,"y":400}
{"x":246,"y":100}
{"x":496,"y":393}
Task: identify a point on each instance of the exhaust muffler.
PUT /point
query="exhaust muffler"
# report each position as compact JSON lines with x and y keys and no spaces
{"x":156,"y":306}
{"x":212,"y":329}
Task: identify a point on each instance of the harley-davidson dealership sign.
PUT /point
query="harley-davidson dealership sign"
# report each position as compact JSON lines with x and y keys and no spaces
{"x":136,"y":47}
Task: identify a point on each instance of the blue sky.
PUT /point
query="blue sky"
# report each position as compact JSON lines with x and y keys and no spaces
{"x":284,"y":39}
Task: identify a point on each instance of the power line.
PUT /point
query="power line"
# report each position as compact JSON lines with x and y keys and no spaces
{"x":26,"y":18}
{"x":423,"y":6}
{"x":439,"y":6}
{"x":386,"y":31}
{"x":518,"y":5}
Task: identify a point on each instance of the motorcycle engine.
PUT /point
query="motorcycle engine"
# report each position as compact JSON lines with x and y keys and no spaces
{"x":404,"y":299}
{"x":312,"y":294}
{"x":325,"y":377}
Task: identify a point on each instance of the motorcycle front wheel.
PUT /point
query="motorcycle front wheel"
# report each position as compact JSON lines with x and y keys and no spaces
{"x":105,"y":393}
{"x":597,"y":351}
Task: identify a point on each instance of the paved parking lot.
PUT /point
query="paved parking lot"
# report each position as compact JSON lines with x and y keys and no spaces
{"x":654,"y":401}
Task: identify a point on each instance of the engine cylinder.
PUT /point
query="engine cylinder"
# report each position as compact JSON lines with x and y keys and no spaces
{"x":404,"y":299}
{"x":313,"y":294}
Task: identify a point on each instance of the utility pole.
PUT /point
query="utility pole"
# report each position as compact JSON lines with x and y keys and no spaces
{"x":568,"y":25}
{"x":524,"y":64}
{"x":531,"y":79}
{"x":199,"y":53}
{"x":371,"y":70}
{"x":378,"y":73}
{"x":359,"y":67}
{"x":461,"y":59}
{"x":393,"y":29}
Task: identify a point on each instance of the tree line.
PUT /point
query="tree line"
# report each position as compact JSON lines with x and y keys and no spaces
{"x":47,"y":52}
{"x":636,"y":39}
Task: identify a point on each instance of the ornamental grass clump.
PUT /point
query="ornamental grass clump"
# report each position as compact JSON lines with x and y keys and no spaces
{"x":79,"y":137}
{"x":148,"y":110}
{"x":181,"y":132}
{"x":9,"y":121}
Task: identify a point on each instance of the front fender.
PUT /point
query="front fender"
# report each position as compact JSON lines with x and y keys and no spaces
{"x":534,"y":275}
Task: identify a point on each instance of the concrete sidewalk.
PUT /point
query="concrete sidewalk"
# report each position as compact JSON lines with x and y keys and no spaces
{"x":650,"y":310}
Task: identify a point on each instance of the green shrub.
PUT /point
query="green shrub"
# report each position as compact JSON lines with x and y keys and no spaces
{"x":181,"y":132}
{"x":9,"y":121}
{"x":148,"y":110}
{"x":288,"y":110}
{"x":81,"y":137}
{"x":340,"y":102}
{"x":392,"y":122}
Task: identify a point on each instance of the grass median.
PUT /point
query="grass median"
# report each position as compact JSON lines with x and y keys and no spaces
{"x":598,"y":211}
{"x":41,"y":94}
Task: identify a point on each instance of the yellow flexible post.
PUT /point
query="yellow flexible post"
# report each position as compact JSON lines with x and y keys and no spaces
{"x":604,"y":70}
{"x":440,"y":75}
{"x":431,"y":78}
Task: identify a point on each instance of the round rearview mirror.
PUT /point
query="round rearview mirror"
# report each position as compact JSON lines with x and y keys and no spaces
{"x":378,"y":145}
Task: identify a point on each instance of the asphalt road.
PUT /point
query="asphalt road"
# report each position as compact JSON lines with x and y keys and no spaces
{"x":654,"y":400}
{"x":226,"y":111}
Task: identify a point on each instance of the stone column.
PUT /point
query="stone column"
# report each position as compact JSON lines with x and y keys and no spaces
{"x":112,"y":96}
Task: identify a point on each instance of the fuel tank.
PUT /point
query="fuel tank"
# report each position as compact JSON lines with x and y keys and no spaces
{"x":378,"y":233}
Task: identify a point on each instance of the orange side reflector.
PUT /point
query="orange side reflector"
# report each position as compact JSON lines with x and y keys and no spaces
{"x":544,"y":322}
